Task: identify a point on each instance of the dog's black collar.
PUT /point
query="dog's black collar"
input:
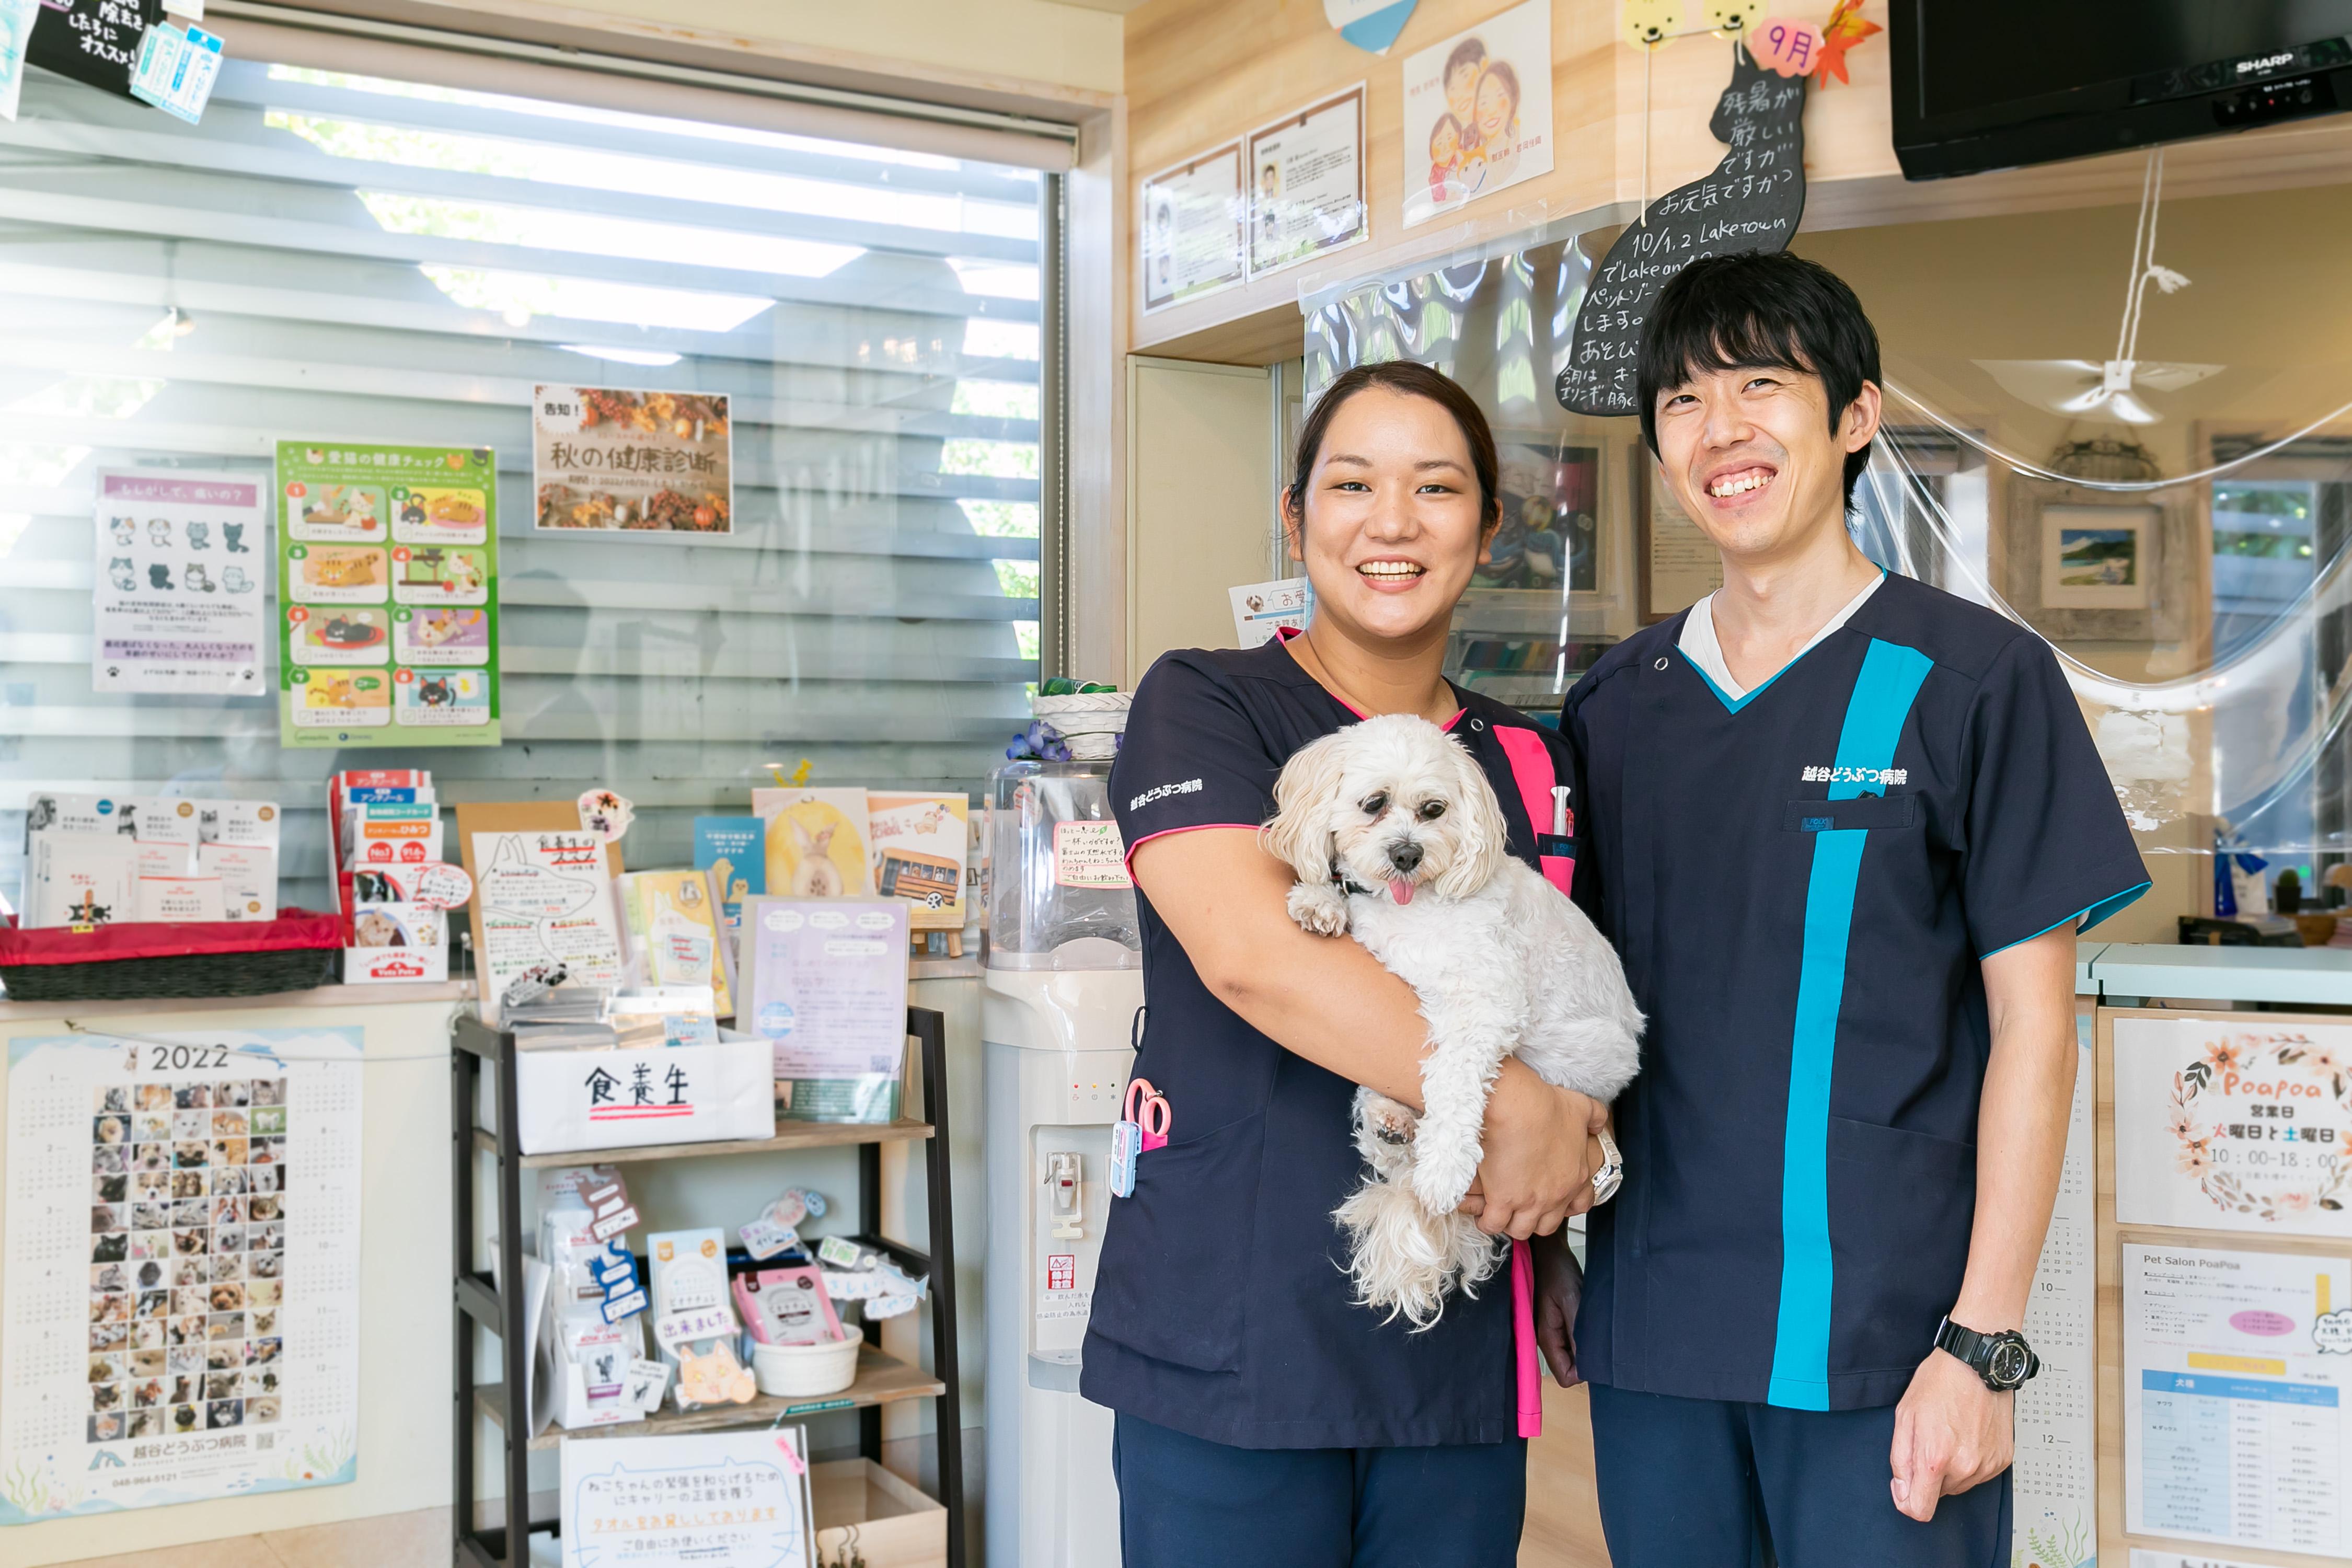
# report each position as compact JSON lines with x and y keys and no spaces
{"x":1340,"y":880}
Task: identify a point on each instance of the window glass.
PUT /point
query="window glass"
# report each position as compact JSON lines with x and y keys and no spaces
{"x":340,"y":257}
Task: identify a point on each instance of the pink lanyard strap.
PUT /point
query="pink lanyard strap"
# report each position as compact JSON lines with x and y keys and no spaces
{"x":1532,"y":771}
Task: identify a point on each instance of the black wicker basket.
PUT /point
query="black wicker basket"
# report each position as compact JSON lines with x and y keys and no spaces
{"x":297,"y":952}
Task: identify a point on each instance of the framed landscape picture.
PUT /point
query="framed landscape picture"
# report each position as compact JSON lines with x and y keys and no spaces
{"x":2097,"y":557}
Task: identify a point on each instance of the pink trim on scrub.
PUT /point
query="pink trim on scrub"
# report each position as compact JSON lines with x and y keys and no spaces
{"x":1165,"y":832}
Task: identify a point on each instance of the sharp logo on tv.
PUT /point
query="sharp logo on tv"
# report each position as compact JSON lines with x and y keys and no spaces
{"x":2268,"y":62}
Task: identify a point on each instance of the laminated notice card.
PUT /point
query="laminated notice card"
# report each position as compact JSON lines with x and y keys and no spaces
{"x":2142,"y":1557}
{"x":827,"y":981}
{"x":183,"y":1266}
{"x":387,"y":588}
{"x":2224,"y":1126}
{"x":546,"y":902}
{"x":2056,"y":1500}
{"x":1193,"y":219}
{"x":2236,"y":1366}
{"x":609,"y":458}
{"x":176,"y":600}
{"x":716,"y":1499}
{"x":1307,"y":189}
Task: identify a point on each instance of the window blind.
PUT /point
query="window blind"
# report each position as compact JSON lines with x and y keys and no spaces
{"x":337,"y":257}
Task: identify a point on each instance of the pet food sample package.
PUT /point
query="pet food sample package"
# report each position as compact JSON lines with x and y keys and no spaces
{"x":249,"y":879}
{"x":825,"y":982}
{"x":190,"y":858}
{"x":816,"y":842}
{"x":787,"y":1306}
{"x":80,"y":878}
{"x":388,"y":835}
{"x":387,"y":574}
{"x":693,"y":1322}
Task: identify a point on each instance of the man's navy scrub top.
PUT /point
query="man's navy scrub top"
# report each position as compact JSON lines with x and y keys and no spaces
{"x":1802,"y":884}
{"x":1220,"y":1308}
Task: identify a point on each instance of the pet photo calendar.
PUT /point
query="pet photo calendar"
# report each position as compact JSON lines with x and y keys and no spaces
{"x":182,"y":1303}
{"x":388,"y":607}
{"x":176,"y":600}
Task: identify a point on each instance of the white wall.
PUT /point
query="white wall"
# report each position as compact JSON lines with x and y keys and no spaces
{"x":1201,"y":484}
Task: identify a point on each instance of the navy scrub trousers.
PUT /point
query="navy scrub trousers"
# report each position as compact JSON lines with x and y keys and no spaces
{"x":1706,"y":1483}
{"x":1187,"y":1503}
{"x":1265,"y":1419}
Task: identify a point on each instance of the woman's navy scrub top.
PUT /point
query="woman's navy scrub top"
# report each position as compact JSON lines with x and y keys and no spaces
{"x":1802,"y":884}
{"x":1221,"y":1307}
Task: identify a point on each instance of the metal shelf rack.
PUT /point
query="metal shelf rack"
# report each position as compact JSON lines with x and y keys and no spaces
{"x":477,"y":1303}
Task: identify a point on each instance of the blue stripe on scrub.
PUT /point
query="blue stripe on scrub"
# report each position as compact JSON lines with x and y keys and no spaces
{"x":1874,"y":714}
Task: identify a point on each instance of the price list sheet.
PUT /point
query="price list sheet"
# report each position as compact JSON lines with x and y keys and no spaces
{"x":2055,"y":1474}
{"x":183,"y":1284}
{"x":2235,"y":1370}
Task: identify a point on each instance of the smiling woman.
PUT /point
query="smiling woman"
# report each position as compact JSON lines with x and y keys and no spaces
{"x":1265,"y":1435}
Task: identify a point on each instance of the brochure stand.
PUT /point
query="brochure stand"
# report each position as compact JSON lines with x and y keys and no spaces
{"x":495,"y":1303}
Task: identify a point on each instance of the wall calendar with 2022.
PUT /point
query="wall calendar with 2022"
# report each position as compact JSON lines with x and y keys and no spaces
{"x":182,"y":1285}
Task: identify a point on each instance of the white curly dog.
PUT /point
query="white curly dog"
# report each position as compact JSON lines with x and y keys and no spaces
{"x":1397,"y":839}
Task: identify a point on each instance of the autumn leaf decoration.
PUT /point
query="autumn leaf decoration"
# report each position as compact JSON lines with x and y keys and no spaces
{"x":1844,"y":29}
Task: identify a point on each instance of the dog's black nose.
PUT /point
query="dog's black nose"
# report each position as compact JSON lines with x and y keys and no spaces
{"x":1404,"y":857}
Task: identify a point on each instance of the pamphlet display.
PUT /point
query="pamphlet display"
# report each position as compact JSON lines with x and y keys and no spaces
{"x":176,"y":600}
{"x":2236,"y":1367}
{"x":94,"y":41}
{"x":606,"y":458}
{"x":825,"y":980}
{"x":182,"y":1285}
{"x":94,"y":860}
{"x":387,"y":587}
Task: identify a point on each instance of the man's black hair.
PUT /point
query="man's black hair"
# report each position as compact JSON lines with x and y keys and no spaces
{"x":1759,"y":310}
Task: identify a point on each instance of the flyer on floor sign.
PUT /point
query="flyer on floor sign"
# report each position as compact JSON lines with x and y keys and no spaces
{"x":176,"y":599}
{"x":2236,"y":1368}
{"x":388,"y":611}
{"x":182,"y":1296}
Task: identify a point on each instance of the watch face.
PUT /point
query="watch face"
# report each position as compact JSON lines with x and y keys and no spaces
{"x":1605,"y":1183}
{"x":2007,"y":1365}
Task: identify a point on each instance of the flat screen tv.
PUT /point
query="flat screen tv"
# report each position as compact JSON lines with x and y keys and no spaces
{"x":1994,"y":84}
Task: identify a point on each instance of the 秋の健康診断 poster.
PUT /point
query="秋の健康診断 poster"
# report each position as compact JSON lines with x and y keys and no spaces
{"x":387,"y":588}
{"x":1478,"y":111}
{"x":607,"y":458}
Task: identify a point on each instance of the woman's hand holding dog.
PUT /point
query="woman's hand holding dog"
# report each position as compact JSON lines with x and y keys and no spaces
{"x":1540,"y":1155}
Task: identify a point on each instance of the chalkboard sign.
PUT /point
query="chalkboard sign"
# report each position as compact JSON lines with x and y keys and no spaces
{"x":1751,"y":201}
{"x":96,"y":41}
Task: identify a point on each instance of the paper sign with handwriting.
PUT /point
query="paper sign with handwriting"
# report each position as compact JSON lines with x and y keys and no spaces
{"x":547,"y":901}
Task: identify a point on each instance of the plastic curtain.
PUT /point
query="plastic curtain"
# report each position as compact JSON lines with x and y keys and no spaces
{"x":2205,"y":624}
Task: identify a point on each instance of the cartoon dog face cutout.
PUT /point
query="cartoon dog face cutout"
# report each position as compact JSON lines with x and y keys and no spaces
{"x":1646,"y":22}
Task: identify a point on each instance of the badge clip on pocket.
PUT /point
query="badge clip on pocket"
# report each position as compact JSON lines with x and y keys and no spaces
{"x":1143,"y":1126}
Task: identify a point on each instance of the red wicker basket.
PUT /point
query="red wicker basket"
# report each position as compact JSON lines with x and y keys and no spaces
{"x":296,"y":952}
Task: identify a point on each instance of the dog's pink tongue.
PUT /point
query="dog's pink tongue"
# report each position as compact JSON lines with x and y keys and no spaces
{"x":1400,"y":890}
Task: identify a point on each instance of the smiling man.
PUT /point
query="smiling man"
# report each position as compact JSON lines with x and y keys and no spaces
{"x":1843,"y":827}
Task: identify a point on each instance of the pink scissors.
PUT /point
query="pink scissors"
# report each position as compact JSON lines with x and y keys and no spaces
{"x":1155,"y":1118}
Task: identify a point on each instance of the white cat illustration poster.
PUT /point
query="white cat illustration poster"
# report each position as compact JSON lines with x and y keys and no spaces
{"x":547,"y":904}
{"x":176,"y":594}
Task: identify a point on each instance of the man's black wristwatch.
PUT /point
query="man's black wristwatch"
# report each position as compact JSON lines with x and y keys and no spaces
{"x":2004,"y":1360}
